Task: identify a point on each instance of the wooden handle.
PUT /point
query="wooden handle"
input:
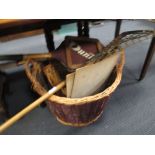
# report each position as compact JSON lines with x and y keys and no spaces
{"x":41,"y":56}
{"x":29,"y":108}
{"x":38,"y":56}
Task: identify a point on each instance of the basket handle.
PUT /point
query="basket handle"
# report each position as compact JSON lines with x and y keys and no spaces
{"x":32,"y":75}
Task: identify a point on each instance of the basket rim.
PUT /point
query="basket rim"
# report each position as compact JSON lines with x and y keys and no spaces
{"x":88,"y":99}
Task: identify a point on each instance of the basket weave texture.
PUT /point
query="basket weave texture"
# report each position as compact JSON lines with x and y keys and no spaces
{"x":74,"y":111}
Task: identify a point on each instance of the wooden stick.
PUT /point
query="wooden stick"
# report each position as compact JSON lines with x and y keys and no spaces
{"x":41,"y":56}
{"x":29,"y":108}
{"x":20,"y":57}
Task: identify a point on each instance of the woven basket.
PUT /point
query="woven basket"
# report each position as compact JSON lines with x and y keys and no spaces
{"x":75,"y":111}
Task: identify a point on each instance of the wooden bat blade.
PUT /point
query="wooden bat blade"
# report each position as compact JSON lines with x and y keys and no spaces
{"x":90,"y":78}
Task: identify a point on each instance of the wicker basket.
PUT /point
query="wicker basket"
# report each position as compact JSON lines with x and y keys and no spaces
{"x":75,"y":111}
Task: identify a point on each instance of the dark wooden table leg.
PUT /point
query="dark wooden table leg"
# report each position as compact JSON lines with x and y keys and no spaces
{"x":49,"y":38}
{"x":2,"y":84}
{"x":118,"y":27}
{"x":148,"y":59}
{"x":79,"y":28}
{"x":83,"y":28}
{"x":86,"y":28}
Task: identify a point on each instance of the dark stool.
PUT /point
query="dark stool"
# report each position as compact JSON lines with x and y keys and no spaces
{"x":2,"y":85}
{"x":149,"y":55}
{"x":50,"y":25}
{"x":118,"y":27}
{"x":148,"y":59}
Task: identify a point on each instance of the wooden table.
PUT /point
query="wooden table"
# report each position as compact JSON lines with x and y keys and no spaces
{"x":15,"y":26}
